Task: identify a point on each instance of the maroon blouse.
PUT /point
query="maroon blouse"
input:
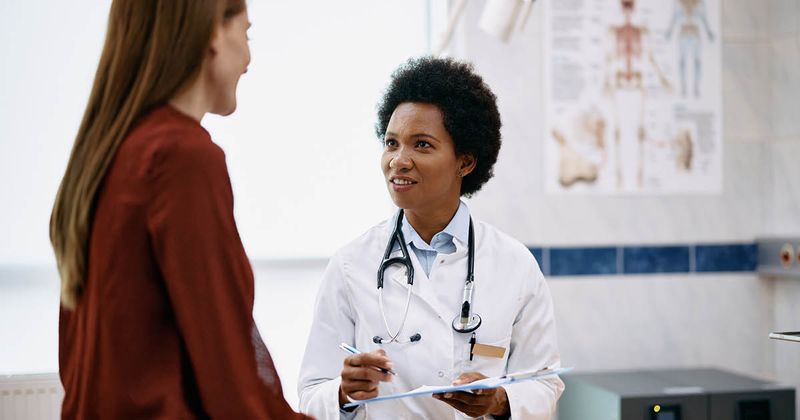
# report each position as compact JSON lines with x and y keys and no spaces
{"x":164,"y":327}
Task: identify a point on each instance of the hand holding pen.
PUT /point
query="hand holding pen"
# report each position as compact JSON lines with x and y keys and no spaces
{"x":352,"y":350}
{"x":362,"y":372}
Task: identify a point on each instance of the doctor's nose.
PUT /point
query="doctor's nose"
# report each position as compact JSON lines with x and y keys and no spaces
{"x":401,"y":160}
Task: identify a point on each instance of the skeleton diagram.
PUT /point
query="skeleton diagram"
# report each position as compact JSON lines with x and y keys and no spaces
{"x":690,"y":14}
{"x":627,"y":63}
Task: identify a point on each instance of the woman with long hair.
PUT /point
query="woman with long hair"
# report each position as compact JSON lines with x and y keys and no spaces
{"x":156,"y":289}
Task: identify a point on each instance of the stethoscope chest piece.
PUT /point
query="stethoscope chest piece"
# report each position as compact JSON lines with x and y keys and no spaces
{"x":472,"y":324}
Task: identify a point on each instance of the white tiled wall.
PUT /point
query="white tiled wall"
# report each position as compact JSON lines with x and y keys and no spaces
{"x":745,"y":19}
{"x":787,"y":318}
{"x":782,"y":209}
{"x":746,"y":101}
{"x":784,"y":64}
{"x":782,"y":212}
{"x":665,"y":321}
{"x":782,"y":197}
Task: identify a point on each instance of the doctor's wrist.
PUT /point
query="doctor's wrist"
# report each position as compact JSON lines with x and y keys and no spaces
{"x":344,"y":400}
{"x":342,"y":397}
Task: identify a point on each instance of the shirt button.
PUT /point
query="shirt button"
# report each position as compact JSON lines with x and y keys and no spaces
{"x":441,"y":374}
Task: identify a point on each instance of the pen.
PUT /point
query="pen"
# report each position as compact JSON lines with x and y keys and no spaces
{"x":352,"y":350}
{"x":471,"y":346}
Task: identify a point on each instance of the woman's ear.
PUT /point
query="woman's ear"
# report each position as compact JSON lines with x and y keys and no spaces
{"x":214,"y":43}
{"x":466,"y":164}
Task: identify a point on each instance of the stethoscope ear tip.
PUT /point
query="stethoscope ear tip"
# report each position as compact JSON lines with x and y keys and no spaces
{"x":377,"y":340}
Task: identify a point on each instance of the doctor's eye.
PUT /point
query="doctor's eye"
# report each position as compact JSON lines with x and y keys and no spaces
{"x":422,"y":144}
{"x":390,"y":143}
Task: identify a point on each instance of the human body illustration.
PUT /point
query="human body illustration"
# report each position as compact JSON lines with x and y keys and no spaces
{"x":690,"y":15}
{"x":628,"y":62}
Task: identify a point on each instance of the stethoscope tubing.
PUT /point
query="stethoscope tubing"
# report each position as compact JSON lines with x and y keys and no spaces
{"x":393,"y":337}
{"x":474,"y":320}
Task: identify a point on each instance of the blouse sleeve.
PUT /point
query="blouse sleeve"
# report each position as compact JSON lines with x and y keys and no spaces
{"x":208,"y":280}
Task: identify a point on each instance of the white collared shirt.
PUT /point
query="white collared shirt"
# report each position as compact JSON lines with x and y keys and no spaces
{"x":442,"y":242}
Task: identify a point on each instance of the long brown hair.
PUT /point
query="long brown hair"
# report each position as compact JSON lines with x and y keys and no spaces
{"x":153,"y":48}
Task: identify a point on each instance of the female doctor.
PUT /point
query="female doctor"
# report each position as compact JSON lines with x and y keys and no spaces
{"x":402,"y":292}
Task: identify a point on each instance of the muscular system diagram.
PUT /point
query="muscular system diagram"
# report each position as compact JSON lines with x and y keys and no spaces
{"x":690,"y":15}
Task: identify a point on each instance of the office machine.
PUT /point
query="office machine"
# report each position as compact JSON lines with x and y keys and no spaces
{"x":674,"y":394}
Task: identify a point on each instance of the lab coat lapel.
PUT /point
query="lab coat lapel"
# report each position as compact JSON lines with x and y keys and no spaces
{"x":422,"y":287}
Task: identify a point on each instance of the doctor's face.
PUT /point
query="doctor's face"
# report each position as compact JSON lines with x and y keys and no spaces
{"x":419,"y":160}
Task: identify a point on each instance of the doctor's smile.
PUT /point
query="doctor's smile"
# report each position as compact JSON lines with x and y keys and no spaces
{"x":401,"y":184}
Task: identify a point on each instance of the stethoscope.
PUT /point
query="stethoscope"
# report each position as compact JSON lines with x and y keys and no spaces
{"x":464,"y":322}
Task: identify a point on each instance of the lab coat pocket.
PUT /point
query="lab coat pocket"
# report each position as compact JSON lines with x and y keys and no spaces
{"x":488,"y":365}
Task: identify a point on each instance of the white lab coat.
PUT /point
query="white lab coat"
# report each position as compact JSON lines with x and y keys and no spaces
{"x":511,"y":296}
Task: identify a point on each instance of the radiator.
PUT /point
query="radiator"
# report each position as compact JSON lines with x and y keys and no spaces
{"x":30,"y":397}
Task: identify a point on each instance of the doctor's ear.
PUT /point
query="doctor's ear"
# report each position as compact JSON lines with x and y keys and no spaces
{"x":466,"y":165}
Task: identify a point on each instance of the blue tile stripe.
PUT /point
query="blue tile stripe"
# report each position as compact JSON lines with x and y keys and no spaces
{"x":678,"y":258}
{"x":583,"y":261}
{"x":538,"y":253}
{"x":655,"y":259}
{"x":722,"y":257}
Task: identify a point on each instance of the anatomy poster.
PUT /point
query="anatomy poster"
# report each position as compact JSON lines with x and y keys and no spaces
{"x":633,"y":96}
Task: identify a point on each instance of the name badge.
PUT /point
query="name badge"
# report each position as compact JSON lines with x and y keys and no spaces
{"x":486,"y":350}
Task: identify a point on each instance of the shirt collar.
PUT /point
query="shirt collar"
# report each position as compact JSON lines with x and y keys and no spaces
{"x":458,"y":228}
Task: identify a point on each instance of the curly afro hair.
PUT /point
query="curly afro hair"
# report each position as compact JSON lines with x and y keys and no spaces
{"x":468,"y":106}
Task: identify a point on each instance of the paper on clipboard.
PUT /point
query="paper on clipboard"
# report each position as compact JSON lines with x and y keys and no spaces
{"x":486,"y":383}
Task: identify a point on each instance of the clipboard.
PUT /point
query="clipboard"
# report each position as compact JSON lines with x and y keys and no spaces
{"x":788,"y":336}
{"x":486,"y":383}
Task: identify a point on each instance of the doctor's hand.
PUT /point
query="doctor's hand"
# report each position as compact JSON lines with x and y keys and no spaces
{"x":481,"y":402}
{"x":360,"y":375}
